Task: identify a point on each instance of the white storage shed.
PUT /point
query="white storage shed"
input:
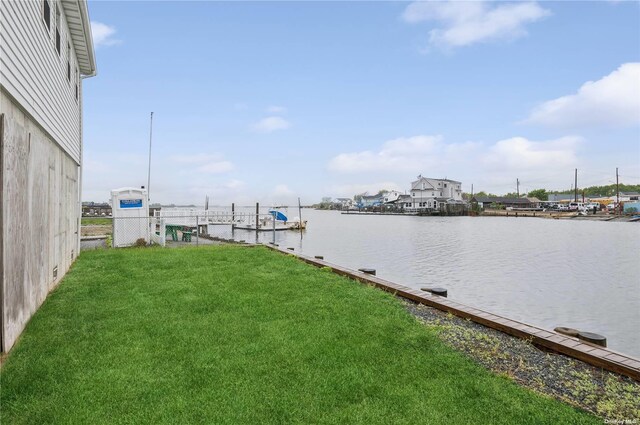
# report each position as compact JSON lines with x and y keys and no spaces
{"x":130,"y":207}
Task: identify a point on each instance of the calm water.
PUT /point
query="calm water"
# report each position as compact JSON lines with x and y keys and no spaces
{"x":579,"y":274}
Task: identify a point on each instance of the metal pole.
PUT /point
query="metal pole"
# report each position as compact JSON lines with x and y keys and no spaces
{"x":233,"y":216}
{"x":274,"y":228}
{"x":575,"y":187}
{"x":617,"y":208}
{"x":300,"y":215}
{"x":197,"y":232}
{"x":149,"y":172}
{"x":257,"y":217}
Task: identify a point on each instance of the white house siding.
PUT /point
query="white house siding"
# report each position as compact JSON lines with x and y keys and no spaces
{"x":40,"y":155}
{"x":33,"y":73}
{"x":425,"y":190}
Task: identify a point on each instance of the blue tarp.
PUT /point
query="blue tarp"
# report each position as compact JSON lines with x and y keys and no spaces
{"x":278,"y":215}
{"x":631,"y":207}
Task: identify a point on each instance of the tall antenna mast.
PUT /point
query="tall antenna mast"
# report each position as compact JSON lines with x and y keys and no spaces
{"x":149,"y":173}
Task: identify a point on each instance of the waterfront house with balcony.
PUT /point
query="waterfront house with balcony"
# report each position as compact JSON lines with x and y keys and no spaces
{"x":430,"y":193}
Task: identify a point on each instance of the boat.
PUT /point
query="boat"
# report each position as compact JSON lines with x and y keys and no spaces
{"x":283,"y":221}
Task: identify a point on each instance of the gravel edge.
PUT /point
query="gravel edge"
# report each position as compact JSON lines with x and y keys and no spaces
{"x":612,"y":397}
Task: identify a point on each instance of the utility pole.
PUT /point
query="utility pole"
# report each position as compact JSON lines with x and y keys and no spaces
{"x":518,"y":187}
{"x":575,"y":187}
{"x":617,"y":192}
{"x":149,"y":172}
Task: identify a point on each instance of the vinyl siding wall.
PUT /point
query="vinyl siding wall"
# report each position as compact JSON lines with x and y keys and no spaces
{"x":35,"y":75}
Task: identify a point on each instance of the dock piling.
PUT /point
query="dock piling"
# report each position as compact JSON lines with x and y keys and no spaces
{"x":593,"y":338}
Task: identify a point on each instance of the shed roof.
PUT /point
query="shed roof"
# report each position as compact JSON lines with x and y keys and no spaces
{"x":501,"y":200}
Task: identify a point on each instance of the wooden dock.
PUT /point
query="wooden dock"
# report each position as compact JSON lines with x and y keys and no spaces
{"x":260,"y":228}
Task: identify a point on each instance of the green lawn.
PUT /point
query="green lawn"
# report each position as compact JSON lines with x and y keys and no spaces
{"x":97,"y":221}
{"x":229,"y":334}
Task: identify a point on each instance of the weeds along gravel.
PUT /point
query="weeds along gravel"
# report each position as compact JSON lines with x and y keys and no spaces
{"x":610,"y":396}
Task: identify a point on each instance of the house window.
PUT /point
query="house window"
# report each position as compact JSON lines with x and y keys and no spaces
{"x":58,"y":29}
{"x":46,"y":13}
{"x":77,"y":83}
{"x":69,"y":62}
{"x":445,"y":185}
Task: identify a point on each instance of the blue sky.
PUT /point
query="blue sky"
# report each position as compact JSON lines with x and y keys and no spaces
{"x":270,"y":101}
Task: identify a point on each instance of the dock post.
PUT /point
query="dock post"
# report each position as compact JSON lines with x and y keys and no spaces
{"x":257,"y":218}
{"x":593,"y":338}
{"x":197,"y":231}
{"x":233,"y":216}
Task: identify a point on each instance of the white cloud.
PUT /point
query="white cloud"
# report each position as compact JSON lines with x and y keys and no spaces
{"x":205,"y":163}
{"x":103,"y":34}
{"x":547,"y":163}
{"x":349,"y":190}
{"x":406,"y":154}
{"x":492,"y":166}
{"x":612,"y":101}
{"x":216,"y":167}
{"x":271,"y":124}
{"x":234,"y":184}
{"x":520,"y":154}
{"x":196,"y":158}
{"x":282,"y":190}
{"x":468,"y":22}
{"x":276,"y":109}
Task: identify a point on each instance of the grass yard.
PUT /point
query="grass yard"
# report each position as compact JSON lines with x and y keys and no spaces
{"x":97,"y":221}
{"x":229,"y":334}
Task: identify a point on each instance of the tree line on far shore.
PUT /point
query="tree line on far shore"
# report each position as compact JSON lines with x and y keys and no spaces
{"x":543,"y":194}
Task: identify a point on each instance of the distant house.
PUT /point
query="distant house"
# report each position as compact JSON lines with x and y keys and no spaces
{"x":368,"y":201}
{"x":391,"y":197}
{"x":404,"y":201}
{"x":535,"y":202}
{"x":562,"y":197}
{"x":503,"y":202}
{"x":429,"y":193}
{"x":46,"y":51}
{"x":344,"y":203}
{"x":627,"y":196}
{"x":95,"y":209}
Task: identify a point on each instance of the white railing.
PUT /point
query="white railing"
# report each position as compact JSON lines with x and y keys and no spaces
{"x":158,"y":231}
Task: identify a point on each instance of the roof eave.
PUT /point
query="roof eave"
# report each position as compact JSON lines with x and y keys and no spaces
{"x":77,"y":15}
